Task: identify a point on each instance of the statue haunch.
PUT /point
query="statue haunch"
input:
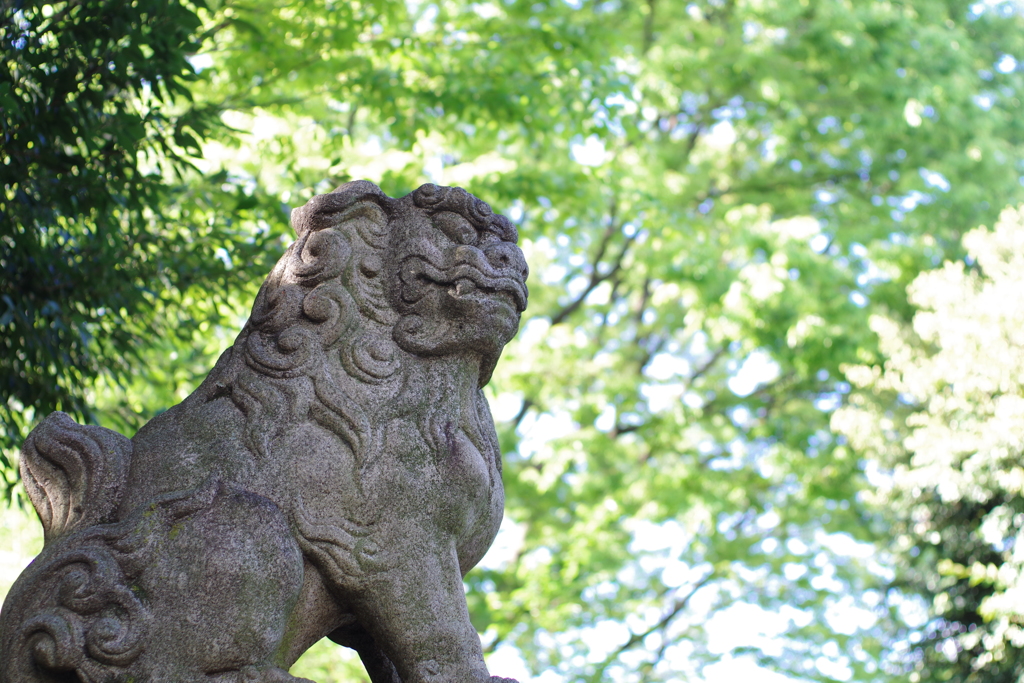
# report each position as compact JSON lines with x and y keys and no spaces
{"x":336,"y":474}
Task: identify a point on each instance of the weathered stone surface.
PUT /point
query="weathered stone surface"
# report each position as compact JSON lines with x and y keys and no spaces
{"x":336,"y":474}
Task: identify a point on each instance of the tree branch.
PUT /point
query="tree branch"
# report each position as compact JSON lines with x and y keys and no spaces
{"x":648,"y":39}
{"x":595,"y":277}
{"x":699,"y":372}
{"x":837,"y":178}
{"x":619,"y":430}
{"x":527,"y":404}
{"x":677,"y":606}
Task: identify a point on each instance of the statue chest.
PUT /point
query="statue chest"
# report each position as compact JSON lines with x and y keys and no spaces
{"x":447,"y":483}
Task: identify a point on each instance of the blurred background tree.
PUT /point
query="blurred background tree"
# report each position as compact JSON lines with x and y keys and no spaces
{"x":715,"y":199}
{"x":944,"y":417}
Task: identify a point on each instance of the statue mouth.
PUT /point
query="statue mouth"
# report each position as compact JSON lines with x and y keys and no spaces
{"x":462,"y":282}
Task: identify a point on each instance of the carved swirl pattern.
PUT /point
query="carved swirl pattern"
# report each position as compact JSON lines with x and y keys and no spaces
{"x":87,"y":618}
{"x":87,"y":613}
{"x":436,"y":199}
{"x":318,"y":309}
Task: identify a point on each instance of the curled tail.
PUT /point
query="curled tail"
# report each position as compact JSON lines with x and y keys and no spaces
{"x":74,"y":474}
{"x":70,"y":608}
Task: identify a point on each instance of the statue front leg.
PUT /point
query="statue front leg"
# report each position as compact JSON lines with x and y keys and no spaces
{"x":416,"y":612}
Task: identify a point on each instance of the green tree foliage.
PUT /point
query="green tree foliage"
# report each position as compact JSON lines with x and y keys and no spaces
{"x":714,"y":198}
{"x":101,"y":246}
{"x":944,"y":418}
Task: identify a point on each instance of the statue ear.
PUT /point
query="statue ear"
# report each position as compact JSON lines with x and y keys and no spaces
{"x":74,"y":474}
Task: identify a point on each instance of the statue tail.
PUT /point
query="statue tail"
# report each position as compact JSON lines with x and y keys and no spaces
{"x":74,"y":474}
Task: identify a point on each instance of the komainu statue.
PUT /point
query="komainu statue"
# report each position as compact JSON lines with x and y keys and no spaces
{"x":336,"y":474}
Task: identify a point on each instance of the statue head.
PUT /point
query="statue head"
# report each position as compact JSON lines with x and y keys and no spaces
{"x":438,"y":269}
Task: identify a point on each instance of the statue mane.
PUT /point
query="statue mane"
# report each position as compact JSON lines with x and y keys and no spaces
{"x":322,"y":317}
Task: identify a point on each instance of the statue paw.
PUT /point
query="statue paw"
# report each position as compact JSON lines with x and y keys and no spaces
{"x":499,"y":679}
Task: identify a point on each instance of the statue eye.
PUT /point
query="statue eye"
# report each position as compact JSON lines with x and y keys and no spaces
{"x":457,"y":228}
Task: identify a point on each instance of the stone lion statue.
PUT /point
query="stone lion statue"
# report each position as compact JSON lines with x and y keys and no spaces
{"x":336,"y":474}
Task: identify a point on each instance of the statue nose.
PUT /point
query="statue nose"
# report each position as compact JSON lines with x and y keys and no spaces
{"x":507,"y":256}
